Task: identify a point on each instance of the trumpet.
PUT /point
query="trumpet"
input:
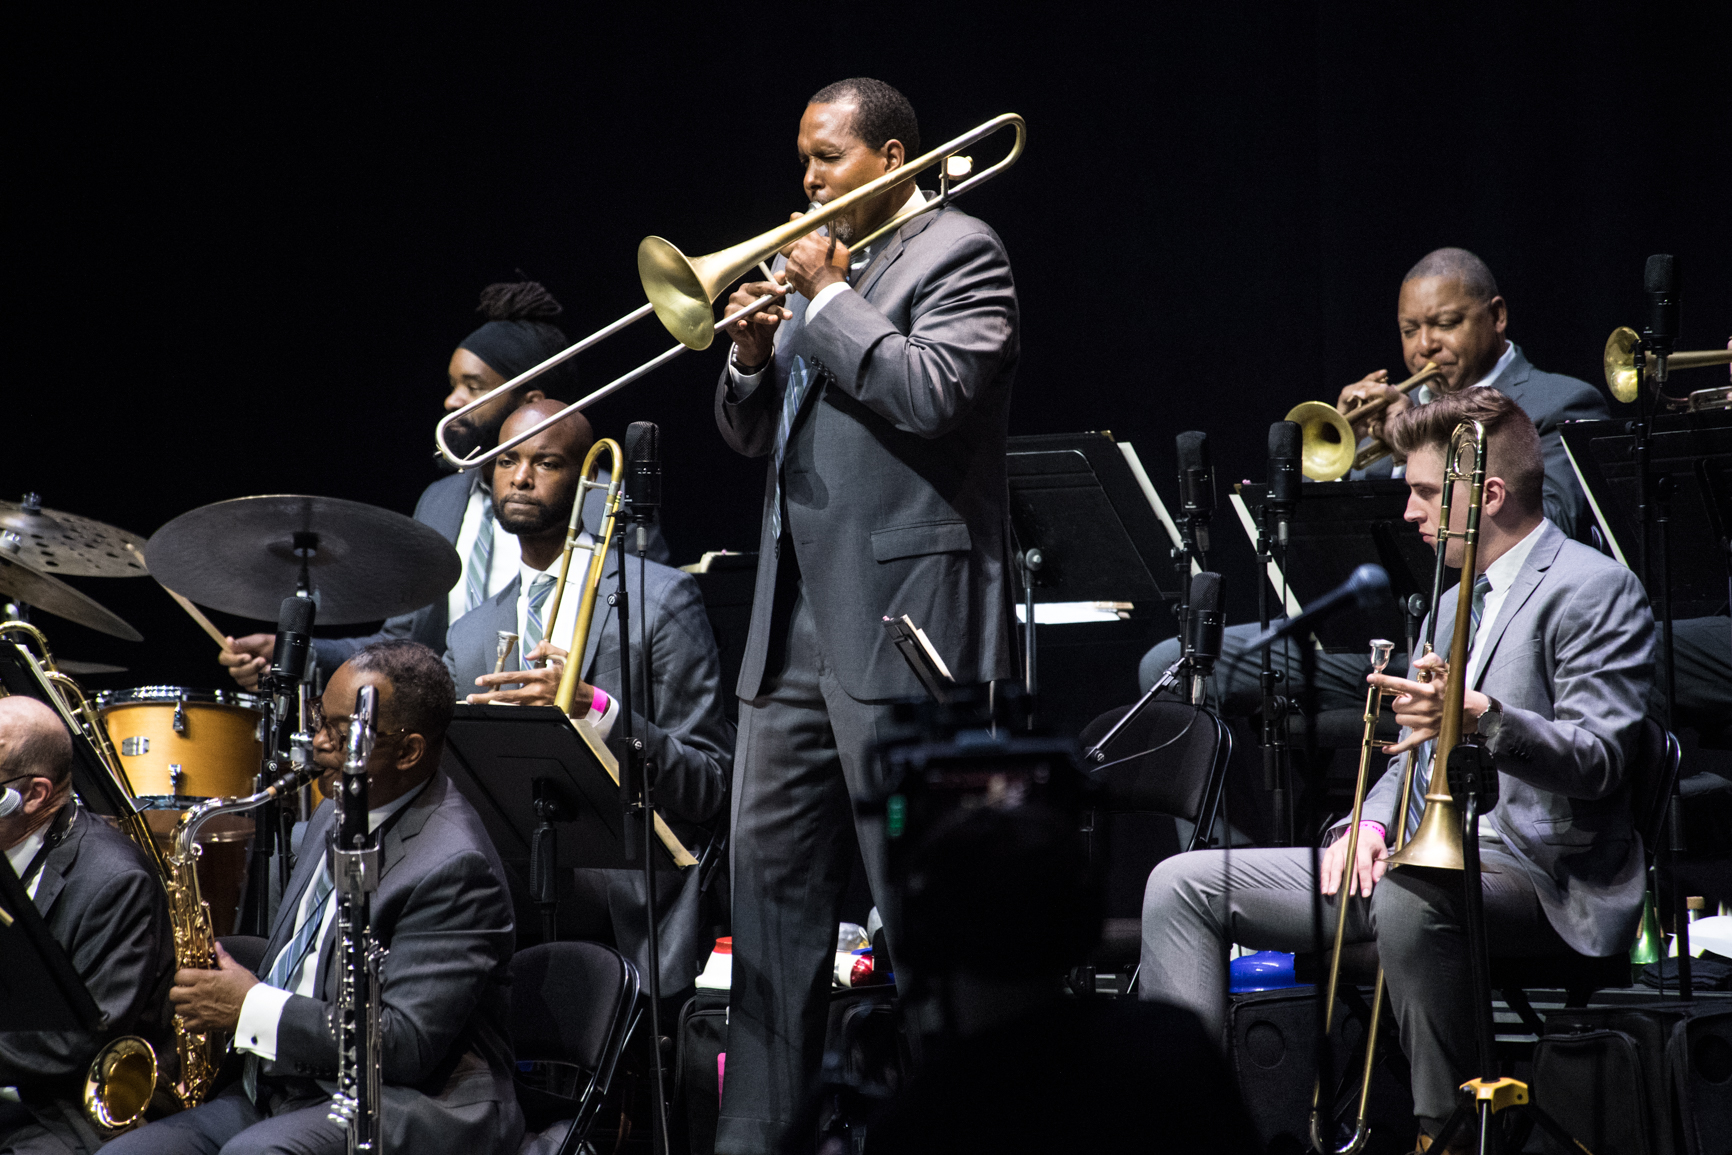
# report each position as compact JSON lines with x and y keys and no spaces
{"x":1624,"y":378}
{"x":682,"y":290}
{"x":1438,"y":841}
{"x":1328,"y":443}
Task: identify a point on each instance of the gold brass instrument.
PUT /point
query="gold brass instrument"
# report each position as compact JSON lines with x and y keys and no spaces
{"x":1381,"y":648}
{"x":1328,"y":444}
{"x":1623,"y":379}
{"x":1437,"y":842}
{"x":682,"y":290}
{"x":122,"y":1078}
{"x":598,"y":554}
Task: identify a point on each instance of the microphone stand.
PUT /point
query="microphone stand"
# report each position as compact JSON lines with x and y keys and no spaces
{"x":635,"y":771}
{"x":1274,"y":710}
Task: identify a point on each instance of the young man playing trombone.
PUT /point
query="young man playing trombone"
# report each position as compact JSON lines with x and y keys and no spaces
{"x":1559,"y":666}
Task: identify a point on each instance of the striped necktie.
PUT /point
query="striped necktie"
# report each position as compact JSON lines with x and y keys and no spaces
{"x":533,"y":627}
{"x":480,"y":566}
{"x":799,"y":381}
{"x":1422,"y":768}
{"x":293,"y":955}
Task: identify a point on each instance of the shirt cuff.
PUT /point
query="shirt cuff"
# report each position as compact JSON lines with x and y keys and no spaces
{"x":261,"y":1011}
{"x":743,"y":383}
{"x":603,"y":713}
{"x":825,"y":296}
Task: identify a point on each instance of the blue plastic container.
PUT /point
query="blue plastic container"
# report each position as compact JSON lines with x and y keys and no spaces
{"x":1267,"y":970}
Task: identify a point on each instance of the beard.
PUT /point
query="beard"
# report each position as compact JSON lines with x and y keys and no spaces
{"x":525,"y":518}
{"x":465,"y":437}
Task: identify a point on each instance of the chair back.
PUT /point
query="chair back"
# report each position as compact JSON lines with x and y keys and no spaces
{"x":1652,"y":775}
{"x":572,"y":1003}
{"x":1165,"y":761}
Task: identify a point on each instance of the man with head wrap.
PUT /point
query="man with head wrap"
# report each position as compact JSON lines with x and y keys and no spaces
{"x":518,"y":334}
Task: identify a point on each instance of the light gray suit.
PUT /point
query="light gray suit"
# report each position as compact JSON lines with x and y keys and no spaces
{"x":1570,"y":658}
{"x":896,"y":503}
{"x":443,"y":914}
{"x":441,"y":506}
{"x":691,"y":741}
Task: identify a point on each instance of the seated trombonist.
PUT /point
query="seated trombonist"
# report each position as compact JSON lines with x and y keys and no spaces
{"x":103,"y":901}
{"x":442,"y":913}
{"x":1561,"y":659}
{"x":686,"y":734}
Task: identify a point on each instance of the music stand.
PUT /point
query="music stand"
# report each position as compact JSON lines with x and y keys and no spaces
{"x":42,"y":989}
{"x":526,"y":768}
{"x":1088,"y":526}
{"x":1337,"y":527}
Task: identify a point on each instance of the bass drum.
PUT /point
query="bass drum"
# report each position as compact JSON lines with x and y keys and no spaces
{"x":180,"y":746}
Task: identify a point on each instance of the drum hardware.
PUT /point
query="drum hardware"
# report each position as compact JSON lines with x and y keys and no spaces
{"x":133,"y":747}
{"x":180,"y":717}
{"x":1438,"y":841}
{"x":242,"y":556}
{"x":682,"y":291}
{"x":1626,"y":369}
{"x":1329,"y":448}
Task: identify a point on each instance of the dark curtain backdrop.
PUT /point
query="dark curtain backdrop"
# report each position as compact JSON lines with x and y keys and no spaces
{"x":248,"y":243}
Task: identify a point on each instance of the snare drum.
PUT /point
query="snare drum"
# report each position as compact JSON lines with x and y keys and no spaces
{"x":178,"y":745}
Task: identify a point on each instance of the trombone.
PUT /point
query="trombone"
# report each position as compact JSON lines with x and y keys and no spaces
{"x":682,"y":290}
{"x":1326,"y":433}
{"x":1438,"y":841}
{"x":1624,"y":378}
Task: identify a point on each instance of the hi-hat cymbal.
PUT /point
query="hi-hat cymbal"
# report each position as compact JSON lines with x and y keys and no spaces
{"x":53,"y":596}
{"x":52,"y":542}
{"x":244,"y":557}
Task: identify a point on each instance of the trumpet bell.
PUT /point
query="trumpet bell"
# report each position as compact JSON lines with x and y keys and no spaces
{"x":1327,"y":444}
{"x":1620,"y":364}
{"x":119,"y":1084}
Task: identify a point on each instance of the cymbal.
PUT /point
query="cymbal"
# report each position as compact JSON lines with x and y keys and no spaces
{"x":53,"y":596}
{"x":52,"y":542}
{"x":85,"y":669}
{"x":245,"y":556}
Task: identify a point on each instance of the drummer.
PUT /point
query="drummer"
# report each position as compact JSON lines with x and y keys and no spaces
{"x":518,"y":334}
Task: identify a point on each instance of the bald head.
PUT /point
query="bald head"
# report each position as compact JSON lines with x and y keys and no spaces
{"x":33,"y":740}
{"x":571,"y":436}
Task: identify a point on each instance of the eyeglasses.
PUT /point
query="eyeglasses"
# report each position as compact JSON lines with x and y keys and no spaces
{"x":338,"y":728}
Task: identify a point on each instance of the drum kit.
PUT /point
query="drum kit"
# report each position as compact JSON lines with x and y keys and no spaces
{"x":181,"y":745}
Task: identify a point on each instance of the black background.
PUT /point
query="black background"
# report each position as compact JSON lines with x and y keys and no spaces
{"x":247,"y":244}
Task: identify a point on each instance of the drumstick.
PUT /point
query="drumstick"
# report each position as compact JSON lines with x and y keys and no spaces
{"x":205,"y":624}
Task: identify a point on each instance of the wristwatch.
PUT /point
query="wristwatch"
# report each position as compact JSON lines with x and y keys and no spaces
{"x":1491,"y":721}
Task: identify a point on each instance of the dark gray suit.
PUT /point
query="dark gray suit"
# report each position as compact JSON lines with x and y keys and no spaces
{"x":1570,"y":658}
{"x":691,"y":741}
{"x":443,"y":913}
{"x":104,"y":904}
{"x":896,"y":504}
{"x":441,"y":506}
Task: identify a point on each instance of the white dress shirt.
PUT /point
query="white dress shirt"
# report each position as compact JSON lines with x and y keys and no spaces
{"x":507,"y":554}
{"x":604,"y":708}
{"x":262,"y":1009}
{"x":744,"y":383}
{"x":22,"y":855}
{"x":1424,"y":396}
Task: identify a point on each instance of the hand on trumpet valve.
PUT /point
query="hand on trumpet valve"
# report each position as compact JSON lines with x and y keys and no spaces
{"x":1372,"y":860}
{"x":1372,"y":387}
{"x":534,"y":687}
{"x":1419,"y":705}
{"x":246,"y":659}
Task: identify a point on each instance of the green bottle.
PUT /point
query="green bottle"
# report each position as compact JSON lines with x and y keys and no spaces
{"x":1650,"y":943}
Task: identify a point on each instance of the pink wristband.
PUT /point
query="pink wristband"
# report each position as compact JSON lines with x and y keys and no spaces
{"x":599,"y":703}
{"x":1377,"y":826}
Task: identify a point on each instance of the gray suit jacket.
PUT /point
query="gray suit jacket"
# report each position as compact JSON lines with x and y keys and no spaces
{"x":441,"y":506}
{"x":105,"y":906}
{"x":1550,"y":399}
{"x":895,"y":468}
{"x":692,"y":741}
{"x":1571,"y":658}
{"x":443,"y":913}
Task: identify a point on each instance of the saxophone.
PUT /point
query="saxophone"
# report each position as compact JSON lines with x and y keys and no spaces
{"x":201,"y":1052}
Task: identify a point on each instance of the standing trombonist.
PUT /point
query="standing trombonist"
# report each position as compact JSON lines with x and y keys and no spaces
{"x":878,"y":388}
{"x":1560,"y":658}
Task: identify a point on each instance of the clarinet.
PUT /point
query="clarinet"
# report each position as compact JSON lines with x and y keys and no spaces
{"x":354,"y":865}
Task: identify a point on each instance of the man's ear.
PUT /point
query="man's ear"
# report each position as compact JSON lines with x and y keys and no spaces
{"x":413,"y":749}
{"x":895,"y":156}
{"x":1496,"y":494}
{"x":1499,"y":313}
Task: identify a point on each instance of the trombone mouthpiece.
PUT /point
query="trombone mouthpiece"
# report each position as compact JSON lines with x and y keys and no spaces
{"x":1381,"y":648}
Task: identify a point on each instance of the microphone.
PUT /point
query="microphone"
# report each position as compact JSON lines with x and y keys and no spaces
{"x":1285,"y":443}
{"x":1368,"y":586}
{"x":294,"y":640}
{"x":1196,"y":486}
{"x":1203,"y":630}
{"x":1660,"y":281}
{"x":11,"y":802}
{"x":643,"y":477}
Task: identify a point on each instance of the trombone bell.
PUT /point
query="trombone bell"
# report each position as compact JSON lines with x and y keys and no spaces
{"x":1327,"y":444}
{"x":677,"y":288}
{"x":1437,"y":842}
